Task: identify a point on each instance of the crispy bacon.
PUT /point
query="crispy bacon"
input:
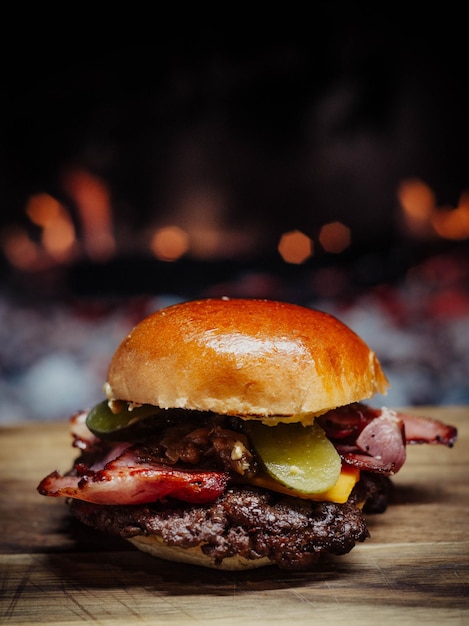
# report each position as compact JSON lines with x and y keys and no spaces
{"x":128,"y":480}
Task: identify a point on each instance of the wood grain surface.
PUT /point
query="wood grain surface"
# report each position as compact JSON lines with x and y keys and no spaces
{"x":413,"y":570}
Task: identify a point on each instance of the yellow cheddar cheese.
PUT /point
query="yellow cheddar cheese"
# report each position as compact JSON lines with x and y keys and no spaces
{"x":338,"y":493}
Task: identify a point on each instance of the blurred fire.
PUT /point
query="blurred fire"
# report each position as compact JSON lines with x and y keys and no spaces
{"x":169,"y":243}
{"x":92,"y":198}
{"x":20,"y":251}
{"x":424,"y":219}
{"x":335,"y":237}
{"x":57,"y":243}
{"x":58,"y":231}
{"x":200,"y":229}
{"x":295,"y":247}
{"x":453,"y":223}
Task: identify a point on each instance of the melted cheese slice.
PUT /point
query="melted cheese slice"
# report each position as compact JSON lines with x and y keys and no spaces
{"x":338,"y":493}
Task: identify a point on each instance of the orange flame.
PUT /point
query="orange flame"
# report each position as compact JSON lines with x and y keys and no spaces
{"x":58,"y":232}
{"x":20,"y":251}
{"x":424,"y":218}
{"x":92,"y":198}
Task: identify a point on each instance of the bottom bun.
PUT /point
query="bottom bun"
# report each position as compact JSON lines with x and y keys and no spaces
{"x":155,"y":546}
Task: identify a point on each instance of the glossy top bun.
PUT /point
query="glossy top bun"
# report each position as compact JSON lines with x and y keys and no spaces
{"x":244,"y":357}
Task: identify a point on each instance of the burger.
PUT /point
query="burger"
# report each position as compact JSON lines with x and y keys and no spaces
{"x":234,"y":435}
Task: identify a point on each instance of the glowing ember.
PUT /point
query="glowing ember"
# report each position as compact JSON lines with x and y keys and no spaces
{"x":169,"y":243}
{"x":58,"y":232}
{"x":92,"y":198}
{"x":417,"y":201}
{"x":453,"y":223}
{"x":18,"y":248}
{"x":295,"y":247}
{"x":57,"y":236}
{"x":424,"y":218}
{"x":335,"y":237}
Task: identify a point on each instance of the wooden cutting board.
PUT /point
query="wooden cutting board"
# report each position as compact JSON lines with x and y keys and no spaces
{"x":413,"y":570}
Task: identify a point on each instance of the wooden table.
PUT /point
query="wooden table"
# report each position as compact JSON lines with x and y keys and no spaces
{"x":413,"y":570}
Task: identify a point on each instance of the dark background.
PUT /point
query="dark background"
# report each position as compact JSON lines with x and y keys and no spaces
{"x":290,"y":119}
{"x":293,"y":119}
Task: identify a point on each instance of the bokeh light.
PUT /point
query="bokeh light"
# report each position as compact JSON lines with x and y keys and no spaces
{"x":295,"y":247}
{"x":169,"y":243}
{"x":335,"y":237}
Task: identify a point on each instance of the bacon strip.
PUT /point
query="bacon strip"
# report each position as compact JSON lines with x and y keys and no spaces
{"x":420,"y":429}
{"x":347,"y":422}
{"x":375,"y":439}
{"x":83,"y":438}
{"x":127,"y":480}
{"x":380,"y":447}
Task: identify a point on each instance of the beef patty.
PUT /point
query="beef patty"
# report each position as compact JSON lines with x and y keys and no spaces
{"x":249,"y":522}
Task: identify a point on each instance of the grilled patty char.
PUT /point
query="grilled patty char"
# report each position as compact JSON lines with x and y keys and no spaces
{"x":248,"y":522}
